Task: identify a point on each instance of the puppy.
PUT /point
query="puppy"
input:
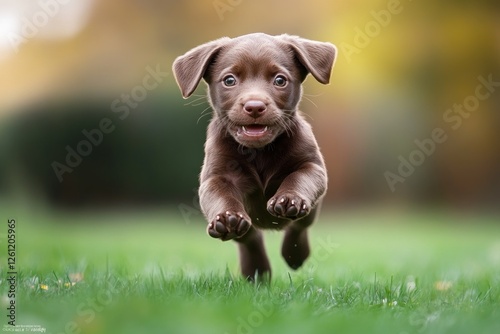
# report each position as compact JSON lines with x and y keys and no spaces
{"x":262,"y":167}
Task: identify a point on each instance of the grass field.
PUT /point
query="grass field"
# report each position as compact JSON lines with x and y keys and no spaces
{"x":152,"y":273}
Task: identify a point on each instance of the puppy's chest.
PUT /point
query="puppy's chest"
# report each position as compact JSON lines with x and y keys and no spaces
{"x":265,"y":176}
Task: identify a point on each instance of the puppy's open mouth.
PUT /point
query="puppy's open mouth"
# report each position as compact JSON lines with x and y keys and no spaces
{"x":254,"y":135}
{"x":253,"y":130}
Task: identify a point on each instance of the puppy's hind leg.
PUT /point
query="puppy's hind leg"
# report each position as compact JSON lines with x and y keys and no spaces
{"x":295,"y":248}
{"x":253,"y":258}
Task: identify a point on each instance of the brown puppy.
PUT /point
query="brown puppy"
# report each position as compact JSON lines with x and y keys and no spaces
{"x":262,"y":167}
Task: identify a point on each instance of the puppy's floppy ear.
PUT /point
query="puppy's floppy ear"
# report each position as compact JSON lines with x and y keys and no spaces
{"x":190,"y":67}
{"x":317,"y":57}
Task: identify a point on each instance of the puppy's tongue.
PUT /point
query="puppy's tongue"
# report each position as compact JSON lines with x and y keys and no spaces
{"x":254,"y":129}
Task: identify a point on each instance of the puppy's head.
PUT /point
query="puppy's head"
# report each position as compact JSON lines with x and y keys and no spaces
{"x":255,"y":81}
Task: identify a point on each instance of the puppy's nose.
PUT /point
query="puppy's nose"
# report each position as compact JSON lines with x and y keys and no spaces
{"x":255,"y":108}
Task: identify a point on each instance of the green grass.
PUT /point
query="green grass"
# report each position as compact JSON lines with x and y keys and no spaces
{"x":152,"y":273}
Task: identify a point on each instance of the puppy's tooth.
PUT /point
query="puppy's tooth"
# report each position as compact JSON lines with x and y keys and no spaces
{"x":304,"y":206}
{"x":293,"y":202}
{"x":217,"y":218}
{"x":282,"y":200}
{"x":227,"y":213}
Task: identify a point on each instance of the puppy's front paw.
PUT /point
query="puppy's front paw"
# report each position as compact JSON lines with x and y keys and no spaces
{"x":288,"y":206}
{"x":228,"y":225}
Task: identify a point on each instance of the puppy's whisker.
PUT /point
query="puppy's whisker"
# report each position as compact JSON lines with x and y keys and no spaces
{"x":196,"y":100}
{"x":307,"y":115}
{"x":288,"y":116}
{"x":312,"y":95}
{"x":284,"y":124}
{"x":199,"y":103}
{"x":206,"y":111}
{"x":199,"y":96}
{"x":312,"y":102}
{"x":202,"y":115}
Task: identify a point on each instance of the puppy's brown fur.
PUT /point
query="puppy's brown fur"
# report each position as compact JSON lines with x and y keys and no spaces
{"x":262,"y":168}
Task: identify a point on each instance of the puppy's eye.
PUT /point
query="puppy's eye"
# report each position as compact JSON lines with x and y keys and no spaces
{"x":280,"y":81}
{"x":229,"y":81}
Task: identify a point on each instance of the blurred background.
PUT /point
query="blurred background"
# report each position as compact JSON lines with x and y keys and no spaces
{"x":91,"y":117}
